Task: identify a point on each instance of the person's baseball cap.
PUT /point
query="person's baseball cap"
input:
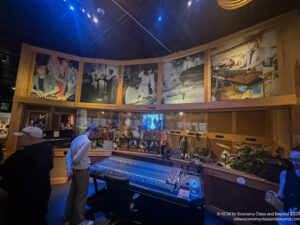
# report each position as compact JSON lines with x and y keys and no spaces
{"x":31,"y":131}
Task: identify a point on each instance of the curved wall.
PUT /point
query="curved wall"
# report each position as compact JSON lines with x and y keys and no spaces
{"x":252,"y":69}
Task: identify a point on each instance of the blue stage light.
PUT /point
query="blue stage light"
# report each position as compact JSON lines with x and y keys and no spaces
{"x":83,"y":10}
{"x":71,"y":7}
{"x":159,"y":19}
{"x":89,"y":15}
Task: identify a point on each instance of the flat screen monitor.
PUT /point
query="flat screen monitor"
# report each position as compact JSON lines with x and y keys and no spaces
{"x":153,"y":121}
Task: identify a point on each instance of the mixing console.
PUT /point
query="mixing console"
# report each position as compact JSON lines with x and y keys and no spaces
{"x":153,"y":179}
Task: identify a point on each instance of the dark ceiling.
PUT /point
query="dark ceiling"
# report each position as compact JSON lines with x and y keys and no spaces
{"x":51,"y":24}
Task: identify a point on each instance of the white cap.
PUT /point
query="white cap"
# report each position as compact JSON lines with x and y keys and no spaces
{"x":31,"y":131}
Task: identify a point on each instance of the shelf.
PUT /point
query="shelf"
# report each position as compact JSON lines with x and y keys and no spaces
{"x":229,"y":105}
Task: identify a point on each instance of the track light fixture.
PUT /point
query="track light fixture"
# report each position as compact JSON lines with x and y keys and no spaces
{"x":232,"y":4}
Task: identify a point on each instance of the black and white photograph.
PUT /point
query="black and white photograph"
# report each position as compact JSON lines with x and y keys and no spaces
{"x":183,"y":80}
{"x":54,"y":78}
{"x":140,"y":84}
{"x":247,"y":69}
{"x":100,"y":83}
{"x":5,"y":106}
{"x":4,"y":125}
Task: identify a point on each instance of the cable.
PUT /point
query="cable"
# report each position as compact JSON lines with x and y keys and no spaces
{"x":144,"y":28}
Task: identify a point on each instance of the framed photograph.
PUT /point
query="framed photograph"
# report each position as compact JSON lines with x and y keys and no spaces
{"x":4,"y":124}
{"x":54,"y":78}
{"x":100,"y":83}
{"x":140,"y":84}
{"x":247,"y":69}
{"x":183,"y":80}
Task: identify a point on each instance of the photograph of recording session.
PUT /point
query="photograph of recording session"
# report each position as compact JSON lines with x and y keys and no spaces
{"x":248,"y":69}
{"x":183,"y":80}
{"x":100,"y":83}
{"x":54,"y":78}
{"x":140,"y":84}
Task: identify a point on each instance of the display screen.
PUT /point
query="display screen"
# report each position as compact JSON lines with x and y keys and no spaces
{"x":153,"y":121}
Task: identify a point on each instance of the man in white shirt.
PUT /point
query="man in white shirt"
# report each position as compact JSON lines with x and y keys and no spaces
{"x":132,"y":94}
{"x":78,"y":164}
{"x":147,"y":77}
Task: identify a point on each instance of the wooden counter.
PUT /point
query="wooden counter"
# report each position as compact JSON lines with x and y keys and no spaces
{"x":233,"y":191}
{"x":62,"y":152}
{"x":59,"y":171}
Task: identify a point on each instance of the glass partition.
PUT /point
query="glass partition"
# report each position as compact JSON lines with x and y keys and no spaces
{"x":213,"y":137}
{"x":132,"y":131}
{"x":184,"y":135}
{"x":146,"y":132}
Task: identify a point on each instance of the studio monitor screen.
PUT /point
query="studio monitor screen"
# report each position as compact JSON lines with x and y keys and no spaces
{"x":153,"y":121}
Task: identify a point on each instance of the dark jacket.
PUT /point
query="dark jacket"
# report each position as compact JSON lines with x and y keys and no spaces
{"x":26,"y":178}
{"x":292,"y":190}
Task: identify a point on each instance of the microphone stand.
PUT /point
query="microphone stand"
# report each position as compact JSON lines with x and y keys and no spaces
{"x":210,"y":148}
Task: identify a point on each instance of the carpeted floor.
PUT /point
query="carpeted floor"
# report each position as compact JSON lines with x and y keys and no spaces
{"x":58,"y":200}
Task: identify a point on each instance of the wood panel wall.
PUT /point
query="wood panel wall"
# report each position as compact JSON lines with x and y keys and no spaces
{"x":287,"y":27}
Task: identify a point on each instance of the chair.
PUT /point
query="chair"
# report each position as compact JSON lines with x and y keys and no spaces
{"x":116,"y":199}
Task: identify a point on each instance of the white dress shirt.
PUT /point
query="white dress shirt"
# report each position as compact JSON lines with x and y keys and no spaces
{"x":146,"y":80}
{"x":131,"y":95}
{"x":77,"y":157}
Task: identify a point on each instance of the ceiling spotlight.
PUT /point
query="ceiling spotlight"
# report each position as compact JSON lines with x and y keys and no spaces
{"x":71,"y":7}
{"x":89,"y":15}
{"x":189,"y":3}
{"x":83,"y":10}
{"x":181,"y":113}
{"x":64,"y":0}
{"x":13,"y":88}
{"x":129,"y":114}
{"x":159,"y":19}
{"x":102,"y":112}
{"x":95,"y":19}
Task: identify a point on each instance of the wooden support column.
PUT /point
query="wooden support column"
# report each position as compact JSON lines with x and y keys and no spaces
{"x":207,"y":76}
{"x":120,"y":85}
{"x":274,"y":129}
{"x":25,"y":72}
{"x":270,"y":124}
{"x":296,"y":125}
{"x":23,"y":87}
{"x":17,"y":114}
{"x":233,"y":131}
{"x":159,"y":83}
{"x":79,"y":82}
{"x":51,"y":117}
